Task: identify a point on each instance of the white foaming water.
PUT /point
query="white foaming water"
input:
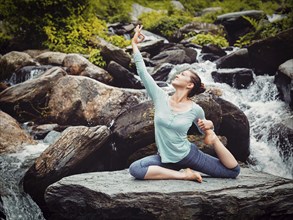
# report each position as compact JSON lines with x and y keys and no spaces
{"x":16,"y":203}
{"x":263,"y":109}
{"x":29,"y":153}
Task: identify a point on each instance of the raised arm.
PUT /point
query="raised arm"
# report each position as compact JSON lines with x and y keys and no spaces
{"x":152,"y":88}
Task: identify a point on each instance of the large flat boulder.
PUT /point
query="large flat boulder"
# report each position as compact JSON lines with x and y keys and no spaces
{"x":116,"y":195}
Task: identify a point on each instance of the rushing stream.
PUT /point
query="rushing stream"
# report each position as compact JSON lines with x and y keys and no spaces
{"x":259,"y":102}
{"x":17,"y":205}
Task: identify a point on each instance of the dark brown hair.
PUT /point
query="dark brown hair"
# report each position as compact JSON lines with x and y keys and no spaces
{"x":198,"y":85}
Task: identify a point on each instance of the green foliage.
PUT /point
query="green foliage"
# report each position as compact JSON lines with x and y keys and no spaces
{"x":117,"y":40}
{"x":264,"y":29}
{"x":111,"y":11}
{"x":96,"y":58}
{"x":163,"y":23}
{"x":196,"y":5}
{"x":75,"y":36}
{"x":25,"y":19}
{"x":203,"y":39}
{"x":154,"y":4}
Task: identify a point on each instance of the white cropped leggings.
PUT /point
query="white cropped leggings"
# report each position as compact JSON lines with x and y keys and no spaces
{"x":196,"y":160}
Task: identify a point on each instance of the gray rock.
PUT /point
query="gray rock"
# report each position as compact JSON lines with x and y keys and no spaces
{"x":12,"y":61}
{"x":111,"y":52}
{"x":122,"y":77}
{"x":237,"y":59}
{"x":237,"y":26}
{"x":267,"y":55}
{"x":284,"y":82}
{"x":78,"y":100}
{"x":138,"y":10}
{"x":177,"y":5}
{"x":10,"y":129}
{"x":78,"y":65}
{"x":51,"y":58}
{"x":235,"y":127}
{"x":239,"y":77}
{"x":161,"y":72}
{"x":27,"y":100}
{"x":112,"y":195}
{"x":74,"y":152}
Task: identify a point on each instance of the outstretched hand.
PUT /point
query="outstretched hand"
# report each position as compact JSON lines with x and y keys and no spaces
{"x":138,"y":36}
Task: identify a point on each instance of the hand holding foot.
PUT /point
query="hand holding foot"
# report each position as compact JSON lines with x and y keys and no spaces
{"x":210,"y":137}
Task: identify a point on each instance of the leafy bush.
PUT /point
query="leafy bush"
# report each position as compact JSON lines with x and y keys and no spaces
{"x":203,"y":39}
{"x":25,"y":19}
{"x":163,"y":23}
{"x":264,"y":29}
{"x":75,"y":36}
{"x":111,"y":11}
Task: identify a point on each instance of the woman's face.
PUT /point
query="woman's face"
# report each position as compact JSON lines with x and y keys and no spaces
{"x":182,"y":79}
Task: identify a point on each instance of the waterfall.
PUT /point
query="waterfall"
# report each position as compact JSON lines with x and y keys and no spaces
{"x":263,"y":109}
{"x":17,"y":205}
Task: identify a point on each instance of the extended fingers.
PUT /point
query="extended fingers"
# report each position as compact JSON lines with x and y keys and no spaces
{"x":138,"y":28}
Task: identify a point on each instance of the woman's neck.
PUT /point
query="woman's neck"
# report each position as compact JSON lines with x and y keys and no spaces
{"x":179,"y":96}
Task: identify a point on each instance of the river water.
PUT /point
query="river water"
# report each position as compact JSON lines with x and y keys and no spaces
{"x":259,"y":102}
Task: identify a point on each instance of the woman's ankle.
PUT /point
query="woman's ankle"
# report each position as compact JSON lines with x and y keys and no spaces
{"x":210,"y":137}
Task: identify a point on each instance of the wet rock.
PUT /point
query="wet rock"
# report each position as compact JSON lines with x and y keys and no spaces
{"x":78,"y":100}
{"x":199,"y":27}
{"x":34,"y":53}
{"x":235,"y":127}
{"x":120,"y":28}
{"x":237,"y":59}
{"x":267,"y":55}
{"x":76,"y":151}
{"x":238,"y":78}
{"x":237,"y":26}
{"x":111,"y":52}
{"x":282,"y":135}
{"x":133,"y":129}
{"x":161,"y":72}
{"x":214,"y":49}
{"x":106,"y":195}
{"x":152,"y":47}
{"x":28,"y":100}
{"x":10,"y":129}
{"x":122,"y":77}
{"x":208,"y":56}
{"x":28,"y":72}
{"x":12,"y":61}
{"x":40,"y":131}
{"x":175,"y":56}
{"x":284,"y":82}
{"x":78,"y":65}
{"x":51,"y":58}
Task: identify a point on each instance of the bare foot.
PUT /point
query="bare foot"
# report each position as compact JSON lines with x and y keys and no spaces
{"x":210,"y":137}
{"x":192,"y":175}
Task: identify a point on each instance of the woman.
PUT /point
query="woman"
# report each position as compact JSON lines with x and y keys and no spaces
{"x":173,"y":117}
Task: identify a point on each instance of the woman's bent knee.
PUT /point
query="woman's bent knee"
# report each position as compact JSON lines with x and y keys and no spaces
{"x":137,"y":171}
{"x":236,"y":171}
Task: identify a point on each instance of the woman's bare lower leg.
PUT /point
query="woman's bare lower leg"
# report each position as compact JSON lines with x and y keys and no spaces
{"x":160,"y":173}
{"x":224,"y":155}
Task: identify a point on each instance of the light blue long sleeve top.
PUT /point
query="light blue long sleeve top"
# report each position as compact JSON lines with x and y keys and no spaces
{"x":170,"y":127}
